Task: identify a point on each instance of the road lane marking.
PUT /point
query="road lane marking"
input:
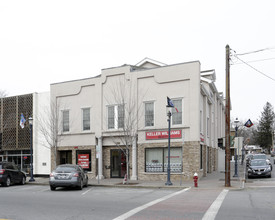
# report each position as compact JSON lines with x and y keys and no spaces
{"x":214,"y":208}
{"x":86,"y":191}
{"x":140,"y":208}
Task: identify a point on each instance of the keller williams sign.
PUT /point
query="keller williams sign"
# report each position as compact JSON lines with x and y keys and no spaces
{"x":154,"y":135}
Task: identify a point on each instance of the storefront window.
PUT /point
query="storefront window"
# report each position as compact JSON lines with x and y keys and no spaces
{"x":83,"y":158}
{"x":19,"y":158}
{"x":157,"y":160}
{"x":175,"y":160}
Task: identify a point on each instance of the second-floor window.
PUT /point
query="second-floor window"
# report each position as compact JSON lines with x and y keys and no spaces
{"x":66,"y":121}
{"x":86,"y":119}
{"x":115,"y":116}
{"x":177,"y":112}
{"x":149,"y":114}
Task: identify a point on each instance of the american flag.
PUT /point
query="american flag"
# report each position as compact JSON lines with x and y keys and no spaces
{"x":22,"y":121}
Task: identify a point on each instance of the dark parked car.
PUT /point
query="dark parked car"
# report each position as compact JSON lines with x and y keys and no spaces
{"x":259,"y":168}
{"x":248,"y":158}
{"x":262,"y":156}
{"x":68,"y":175}
{"x":10,"y":174}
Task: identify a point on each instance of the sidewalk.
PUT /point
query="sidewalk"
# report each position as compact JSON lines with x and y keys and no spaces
{"x":212,"y":180}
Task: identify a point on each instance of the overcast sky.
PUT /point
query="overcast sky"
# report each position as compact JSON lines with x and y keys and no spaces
{"x":44,"y":42}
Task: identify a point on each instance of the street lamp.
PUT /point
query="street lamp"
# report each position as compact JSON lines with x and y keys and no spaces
{"x":31,"y":149}
{"x":236,"y":122}
{"x":169,"y":113}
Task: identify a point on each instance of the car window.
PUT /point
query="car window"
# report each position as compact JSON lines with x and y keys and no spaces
{"x":14,"y":167}
{"x":259,"y":156}
{"x":258,"y":163}
{"x":9,"y":166}
{"x":65,"y":169}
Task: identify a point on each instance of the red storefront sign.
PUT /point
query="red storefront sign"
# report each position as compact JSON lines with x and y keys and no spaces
{"x":83,"y":160}
{"x":154,"y":135}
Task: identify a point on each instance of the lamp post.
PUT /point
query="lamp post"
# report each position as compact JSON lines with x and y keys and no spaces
{"x":31,"y":149}
{"x":169,"y":113}
{"x":243,"y":153}
{"x":236,"y":122}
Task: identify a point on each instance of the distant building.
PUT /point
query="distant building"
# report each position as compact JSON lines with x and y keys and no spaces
{"x":253,"y":148}
{"x":15,"y":139}
{"x":123,"y":112}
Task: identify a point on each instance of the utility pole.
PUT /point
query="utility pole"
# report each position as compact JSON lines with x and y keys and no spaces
{"x":227,"y":118}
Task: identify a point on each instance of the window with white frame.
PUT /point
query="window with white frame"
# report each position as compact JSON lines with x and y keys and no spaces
{"x":86,"y":119}
{"x":120,"y":113}
{"x":115,"y":116}
{"x":177,"y":112}
{"x":149,"y":114}
{"x":66,"y":121}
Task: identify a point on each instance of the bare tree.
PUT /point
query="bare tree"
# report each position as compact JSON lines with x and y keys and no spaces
{"x":50,"y":127}
{"x":3,"y":93}
{"x":125,"y":96}
{"x":249,"y":134}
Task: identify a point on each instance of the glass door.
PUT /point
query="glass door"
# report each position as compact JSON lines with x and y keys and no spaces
{"x":65,"y":157}
{"x":118,"y":164}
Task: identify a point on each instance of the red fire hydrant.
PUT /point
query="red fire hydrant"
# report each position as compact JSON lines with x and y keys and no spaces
{"x":195,"y":177}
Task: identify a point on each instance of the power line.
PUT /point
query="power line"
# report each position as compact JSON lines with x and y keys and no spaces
{"x":255,"y":51}
{"x":254,"y":61}
{"x":254,"y":68}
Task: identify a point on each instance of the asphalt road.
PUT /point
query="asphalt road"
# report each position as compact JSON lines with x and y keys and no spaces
{"x":38,"y":202}
{"x":256,"y":201}
{"x":252,"y":203}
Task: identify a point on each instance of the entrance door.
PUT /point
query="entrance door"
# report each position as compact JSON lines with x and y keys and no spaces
{"x":1,"y":158}
{"x":65,"y":157}
{"x":118,"y":164}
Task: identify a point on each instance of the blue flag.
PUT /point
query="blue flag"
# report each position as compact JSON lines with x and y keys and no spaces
{"x":248,"y":124}
{"x":22,"y":121}
{"x":169,"y":102}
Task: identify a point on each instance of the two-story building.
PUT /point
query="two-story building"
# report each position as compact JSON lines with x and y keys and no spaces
{"x":119,"y":118}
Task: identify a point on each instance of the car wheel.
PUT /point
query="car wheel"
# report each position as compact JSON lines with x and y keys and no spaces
{"x":23,"y":181}
{"x":86,"y":182}
{"x":81,"y":185}
{"x":52,"y":188}
{"x":8,"y":182}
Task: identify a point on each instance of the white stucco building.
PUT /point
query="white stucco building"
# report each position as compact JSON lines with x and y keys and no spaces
{"x":123,"y":112}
